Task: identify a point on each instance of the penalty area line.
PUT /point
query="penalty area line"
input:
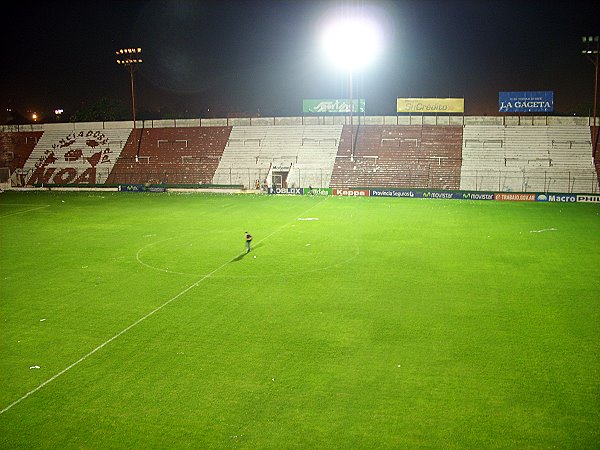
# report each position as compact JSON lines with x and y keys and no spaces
{"x":125,"y":330}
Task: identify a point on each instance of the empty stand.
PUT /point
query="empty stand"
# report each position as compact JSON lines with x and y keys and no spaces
{"x":304,"y":152}
{"x":520,"y":154}
{"x":15,"y":149}
{"x":528,"y":159}
{"x":399,"y":156}
{"x":188,"y":155}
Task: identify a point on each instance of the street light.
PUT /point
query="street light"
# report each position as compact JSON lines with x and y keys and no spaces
{"x":130,"y":58}
{"x":591,"y":49}
{"x":351,"y":42}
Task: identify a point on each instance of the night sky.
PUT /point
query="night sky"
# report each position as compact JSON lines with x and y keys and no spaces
{"x":263,"y":56}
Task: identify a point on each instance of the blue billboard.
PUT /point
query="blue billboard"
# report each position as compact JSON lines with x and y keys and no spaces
{"x":530,"y":101}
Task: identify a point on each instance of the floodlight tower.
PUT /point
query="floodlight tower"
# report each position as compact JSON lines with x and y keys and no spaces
{"x":591,"y":50}
{"x":130,"y":58}
{"x":351,"y":42}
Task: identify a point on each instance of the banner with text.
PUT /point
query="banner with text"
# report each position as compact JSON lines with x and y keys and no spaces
{"x":588,"y":198}
{"x":322,"y":106}
{"x":562,"y":198}
{"x":352,"y":192}
{"x":286,"y":191}
{"x":430,"y":105}
{"x":533,"y":101}
{"x":514,"y":197}
{"x":318,"y":191}
{"x":431,"y":194}
{"x":140,"y":188}
{"x":449,"y":195}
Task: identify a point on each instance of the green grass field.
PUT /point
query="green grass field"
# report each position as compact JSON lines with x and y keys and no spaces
{"x":386,"y":323}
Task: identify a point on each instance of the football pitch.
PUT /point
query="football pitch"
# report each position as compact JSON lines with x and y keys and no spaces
{"x":134,"y":320}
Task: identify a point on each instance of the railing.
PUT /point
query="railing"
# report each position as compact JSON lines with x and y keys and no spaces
{"x":504,"y":181}
{"x":405,"y":119}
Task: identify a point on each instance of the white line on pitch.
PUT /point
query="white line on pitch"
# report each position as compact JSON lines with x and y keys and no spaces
{"x":24,"y":211}
{"x":137,"y":322}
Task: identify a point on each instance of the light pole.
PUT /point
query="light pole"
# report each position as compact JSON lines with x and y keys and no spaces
{"x":591,"y":50}
{"x":351,"y":42}
{"x":130,"y":58}
{"x":351,"y":115}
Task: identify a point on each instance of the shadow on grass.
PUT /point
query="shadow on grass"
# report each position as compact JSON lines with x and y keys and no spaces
{"x":242,"y":255}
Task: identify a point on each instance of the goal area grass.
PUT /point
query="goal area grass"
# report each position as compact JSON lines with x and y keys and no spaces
{"x":132,"y":320}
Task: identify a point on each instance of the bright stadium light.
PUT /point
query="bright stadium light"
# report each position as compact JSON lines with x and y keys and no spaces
{"x":350,"y":43}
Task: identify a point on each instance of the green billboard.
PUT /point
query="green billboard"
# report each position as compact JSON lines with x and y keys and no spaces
{"x":321,"y":106}
{"x":318,"y":191}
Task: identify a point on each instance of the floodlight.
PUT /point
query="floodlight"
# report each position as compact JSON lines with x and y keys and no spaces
{"x":592,"y":51}
{"x":130,"y":58}
{"x":351,"y":42}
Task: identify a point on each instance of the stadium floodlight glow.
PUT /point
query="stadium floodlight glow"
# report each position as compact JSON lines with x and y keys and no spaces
{"x":351,"y":42}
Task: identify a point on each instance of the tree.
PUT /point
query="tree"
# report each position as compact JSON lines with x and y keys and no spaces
{"x":104,"y":110}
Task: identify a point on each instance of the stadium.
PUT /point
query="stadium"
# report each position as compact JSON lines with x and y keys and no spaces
{"x":521,"y":154}
{"x":421,"y":280}
{"x":458,"y":309}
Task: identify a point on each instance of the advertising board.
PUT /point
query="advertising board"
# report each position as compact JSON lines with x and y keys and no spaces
{"x":514,"y":197}
{"x":286,"y":191}
{"x":140,"y":188}
{"x":588,"y":198}
{"x":530,"y":101}
{"x":562,"y":198}
{"x":317,"y":191}
{"x":328,"y":106}
{"x":352,"y":192}
{"x":393,"y":193}
{"x":430,"y":105}
{"x":438,"y":194}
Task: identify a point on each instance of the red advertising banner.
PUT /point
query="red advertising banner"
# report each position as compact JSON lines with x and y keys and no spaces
{"x":352,"y":192}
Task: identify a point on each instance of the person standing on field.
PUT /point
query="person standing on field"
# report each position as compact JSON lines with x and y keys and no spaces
{"x":248,"y":241}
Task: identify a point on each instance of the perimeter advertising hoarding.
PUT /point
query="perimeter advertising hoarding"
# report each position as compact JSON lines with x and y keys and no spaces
{"x":321,"y":106}
{"x":140,"y":188}
{"x":286,"y":191}
{"x":454,"y":195}
{"x":132,"y":188}
{"x":352,"y":192}
{"x":530,"y":101}
{"x":562,"y":198}
{"x":430,"y":105}
{"x":318,"y":191}
{"x":588,"y":198}
{"x":393,"y":193}
{"x":514,"y":197}
{"x":448,"y":195}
